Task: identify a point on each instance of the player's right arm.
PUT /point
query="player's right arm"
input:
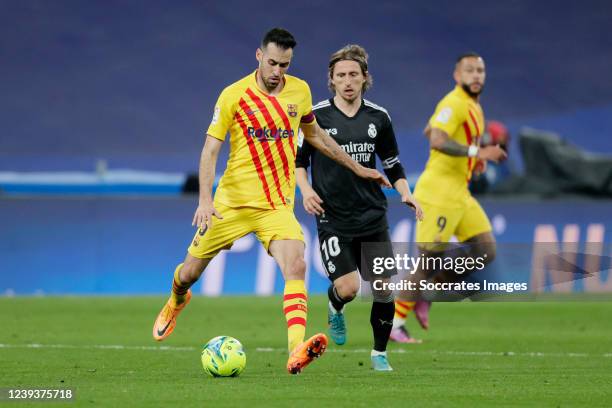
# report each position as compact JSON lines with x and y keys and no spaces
{"x":311,"y":200}
{"x":439,"y":140}
{"x":447,"y":118}
{"x":221,"y":121}
{"x":208,"y":162}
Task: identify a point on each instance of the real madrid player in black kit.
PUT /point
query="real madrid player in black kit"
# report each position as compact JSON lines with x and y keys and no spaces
{"x":351,"y":211}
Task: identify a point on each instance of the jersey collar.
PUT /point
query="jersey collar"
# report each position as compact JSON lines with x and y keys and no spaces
{"x":331,"y":101}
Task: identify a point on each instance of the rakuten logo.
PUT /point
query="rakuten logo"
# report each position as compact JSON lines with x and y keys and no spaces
{"x":268,"y":134}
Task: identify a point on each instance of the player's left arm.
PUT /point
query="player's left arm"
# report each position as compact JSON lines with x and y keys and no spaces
{"x":402,"y":187}
{"x":388,"y":152}
{"x":320,"y":140}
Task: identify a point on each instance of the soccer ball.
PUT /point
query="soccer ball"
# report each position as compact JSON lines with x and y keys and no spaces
{"x":223,"y":356}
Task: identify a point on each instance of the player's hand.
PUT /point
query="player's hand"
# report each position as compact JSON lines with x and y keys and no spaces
{"x":312,"y":202}
{"x":492,"y":153}
{"x":480,"y":167}
{"x":203,"y":215}
{"x":410,"y":201}
{"x":373,"y":175}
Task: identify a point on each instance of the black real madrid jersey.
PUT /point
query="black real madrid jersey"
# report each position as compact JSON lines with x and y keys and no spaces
{"x":353,"y":206}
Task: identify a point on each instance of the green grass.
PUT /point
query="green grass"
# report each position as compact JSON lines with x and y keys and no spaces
{"x":476,"y":354}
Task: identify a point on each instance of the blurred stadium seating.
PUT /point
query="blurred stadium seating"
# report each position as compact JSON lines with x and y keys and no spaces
{"x":134,"y":82}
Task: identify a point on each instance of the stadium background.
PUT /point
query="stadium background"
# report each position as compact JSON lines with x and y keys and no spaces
{"x":90,"y":89}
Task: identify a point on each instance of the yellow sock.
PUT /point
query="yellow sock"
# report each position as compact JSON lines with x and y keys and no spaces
{"x":179,"y":289}
{"x":295,"y":306}
{"x":402,"y":309}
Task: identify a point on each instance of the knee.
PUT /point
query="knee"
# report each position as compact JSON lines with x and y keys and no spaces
{"x":297,"y":269}
{"x":484,"y":246}
{"x":491,"y":253}
{"x":347,"y":290}
{"x":382,"y":296}
{"x":488,"y":251}
{"x":192,"y":269}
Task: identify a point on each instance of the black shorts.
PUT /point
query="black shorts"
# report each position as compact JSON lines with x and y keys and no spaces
{"x":341,"y":254}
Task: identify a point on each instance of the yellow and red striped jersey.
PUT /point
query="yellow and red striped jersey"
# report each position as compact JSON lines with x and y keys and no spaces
{"x":445,"y":179}
{"x":263,"y":130}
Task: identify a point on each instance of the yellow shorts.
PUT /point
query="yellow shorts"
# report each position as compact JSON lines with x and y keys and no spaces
{"x":268,"y":225}
{"x":440,"y":224}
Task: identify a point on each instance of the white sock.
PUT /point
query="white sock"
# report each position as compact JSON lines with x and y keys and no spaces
{"x":398,"y":322}
{"x":375,"y":353}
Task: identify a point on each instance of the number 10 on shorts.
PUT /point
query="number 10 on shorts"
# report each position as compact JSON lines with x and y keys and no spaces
{"x":331,"y":247}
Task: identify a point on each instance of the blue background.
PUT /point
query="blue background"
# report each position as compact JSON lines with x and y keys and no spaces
{"x":121,"y":246}
{"x":134,"y":82}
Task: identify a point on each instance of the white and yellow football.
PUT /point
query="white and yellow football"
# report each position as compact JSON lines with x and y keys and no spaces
{"x":223,"y":356}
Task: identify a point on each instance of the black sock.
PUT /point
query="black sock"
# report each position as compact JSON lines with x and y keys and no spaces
{"x":336,"y":301}
{"x":381,"y":319}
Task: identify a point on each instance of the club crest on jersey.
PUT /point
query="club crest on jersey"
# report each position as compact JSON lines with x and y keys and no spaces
{"x":292,"y":110}
{"x":372,"y":130}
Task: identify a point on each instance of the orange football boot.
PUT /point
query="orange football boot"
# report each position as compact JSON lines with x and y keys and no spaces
{"x":306,"y":352}
{"x":166,"y":319}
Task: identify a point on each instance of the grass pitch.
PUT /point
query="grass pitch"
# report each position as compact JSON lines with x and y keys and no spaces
{"x":475,"y":354}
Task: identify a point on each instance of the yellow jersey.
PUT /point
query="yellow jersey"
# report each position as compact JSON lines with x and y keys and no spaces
{"x":444,"y":182}
{"x":263,"y":131}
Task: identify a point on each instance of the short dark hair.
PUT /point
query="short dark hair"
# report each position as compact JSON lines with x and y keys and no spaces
{"x":469,"y":54}
{"x":279,"y":36}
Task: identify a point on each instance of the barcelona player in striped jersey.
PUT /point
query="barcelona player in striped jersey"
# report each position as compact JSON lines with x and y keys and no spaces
{"x":454,"y":132}
{"x":262,"y":113}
